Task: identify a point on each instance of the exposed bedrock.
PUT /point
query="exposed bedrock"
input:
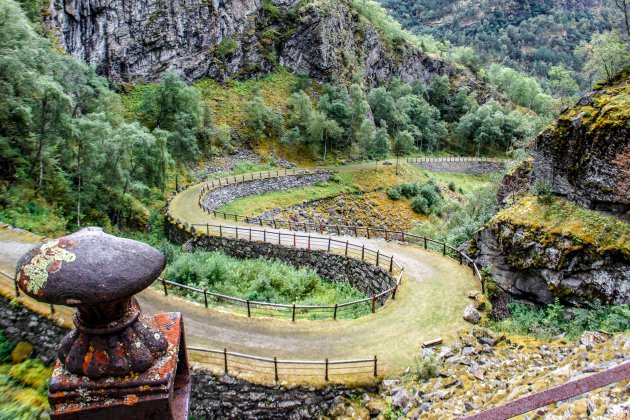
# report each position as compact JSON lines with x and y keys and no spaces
{"x":140,"y":40}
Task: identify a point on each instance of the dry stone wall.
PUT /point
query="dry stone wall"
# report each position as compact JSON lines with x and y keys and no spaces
{"x":363,"y":276}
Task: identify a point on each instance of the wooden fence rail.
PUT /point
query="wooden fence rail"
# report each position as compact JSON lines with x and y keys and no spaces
{"x":234,"y":363}
{"x":456,"y":159}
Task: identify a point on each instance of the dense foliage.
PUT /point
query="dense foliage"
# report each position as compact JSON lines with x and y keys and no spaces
{"x":425,"y":198}
{"x":258,"y":280}
{"x":555,"y":319}
{"x":534,"y":35}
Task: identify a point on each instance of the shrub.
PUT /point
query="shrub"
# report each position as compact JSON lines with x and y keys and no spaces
{"x":555,"y":319}
{"x":420,"y":205}
{"x":426,"y":368}
{"x":394,"y":193}
{"x":409,"y":190}
{"x":543,"y":190}
{"x":431,"y":193}
{"x":452,"y":186}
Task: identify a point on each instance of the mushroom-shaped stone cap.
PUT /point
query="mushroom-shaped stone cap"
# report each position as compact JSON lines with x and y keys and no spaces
{"x":87,"y":268}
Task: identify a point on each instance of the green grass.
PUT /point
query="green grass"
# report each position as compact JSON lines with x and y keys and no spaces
{"x":553,"y":320}
{"x":259,"y":280}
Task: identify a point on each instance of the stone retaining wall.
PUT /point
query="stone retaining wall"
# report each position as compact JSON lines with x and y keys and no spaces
{"x":220,"y":196}
{"x":211,"y":396}
{"x":471,"y":168}
{"x":367,"y":278}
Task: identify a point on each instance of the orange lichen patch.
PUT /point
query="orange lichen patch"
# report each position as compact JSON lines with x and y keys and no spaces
{"x":131,"y":399}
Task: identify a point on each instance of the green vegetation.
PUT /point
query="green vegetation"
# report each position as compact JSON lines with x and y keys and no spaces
{"x":461,"y":219}
{"x":529,"y":36}
{"x":23,"y":385}
{"x":259,"y":280}
{"x":554,"y":319}
{"x":426,"y":198}
{"x":567,"y":219}
{"x":426,"y":368}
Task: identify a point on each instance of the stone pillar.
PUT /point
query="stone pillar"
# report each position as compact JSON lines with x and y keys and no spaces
{"x":116,"y":363}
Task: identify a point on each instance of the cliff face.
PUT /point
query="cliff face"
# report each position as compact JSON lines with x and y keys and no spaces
{"x":584,"y":156}
{"x":140,"y":40}
{"x":572,"y":242}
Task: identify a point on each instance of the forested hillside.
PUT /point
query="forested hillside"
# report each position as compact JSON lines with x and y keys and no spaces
{"x":531,"y":35}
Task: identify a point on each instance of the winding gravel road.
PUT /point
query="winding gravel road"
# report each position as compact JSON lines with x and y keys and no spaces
{"x":429,"y":304}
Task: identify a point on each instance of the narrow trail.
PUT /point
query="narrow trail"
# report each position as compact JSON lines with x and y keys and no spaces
{"x":429,"y":304}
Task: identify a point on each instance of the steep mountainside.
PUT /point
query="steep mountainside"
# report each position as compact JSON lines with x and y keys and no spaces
{"x":529,"y":34}
{"x":560,"y":243}
{"x":327,"y":39}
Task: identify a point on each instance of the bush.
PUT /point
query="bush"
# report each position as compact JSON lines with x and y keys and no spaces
{"x":394,"y":193}
{"x":426,"y":368}
{"x":409,"y":190}
{"x":431,"y":193}
{"x":543,"y":190}
{"x":452,"y":186}
{"x":555,"y":319}
{"x":420,"y":205}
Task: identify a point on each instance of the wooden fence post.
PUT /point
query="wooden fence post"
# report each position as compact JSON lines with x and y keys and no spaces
{"x":207,"y":229}
{"x":205,"y":298}
{"x":444,"y":249}
{"x":346,"y":248}
{"x":329,"y":240}
{"x":265,"y":235}
{"x":394,"y":292}
{"x":220,"y":231}
{"x":425,"y":242}
{"x":52,"y":310}
{"x":225,"y":361}
{"x":279,"y":238}
{"x":368,"y":233}
{"x":165,"y":288}
{"x":249,"y":312}
{"x":374,"y":304}
{"x":293,"y":315}
{"x":378,"y":255}
{"x":309,"y":241}
{"x":391,"y":264}
{"x":363,"y":252}
{"x":335,"y":313}
{"x":236,"y":229}
{"x":275,"y":368}
{"x":326,"y":374}
{"x":375,"y":366}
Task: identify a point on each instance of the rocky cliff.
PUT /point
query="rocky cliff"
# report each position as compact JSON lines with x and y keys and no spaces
{"x":140,"y":40}
{"x":564,"y":232}
{"x":584,"y":156}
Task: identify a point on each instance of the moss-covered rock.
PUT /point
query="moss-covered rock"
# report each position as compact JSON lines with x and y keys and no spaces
{"x":583,"y":156}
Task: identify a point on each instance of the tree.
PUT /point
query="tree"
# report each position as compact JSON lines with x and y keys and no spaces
{"x":358,"y":108}
{"x":563,"y":84}
{"x":261,"y":120}
{"x":383,"y":107}
{"x":624,"y":7}
{"x":606,"y":55}
{"x":381,"y":143}
{"x":403,"y":143}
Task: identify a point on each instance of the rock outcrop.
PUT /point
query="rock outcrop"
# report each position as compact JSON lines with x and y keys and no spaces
{"x":328,"y":39}
{"x":585,"y":155}
{"x":572,"y":242}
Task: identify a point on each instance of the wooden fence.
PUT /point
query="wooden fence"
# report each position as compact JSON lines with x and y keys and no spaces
{"x":231,"y":363}
{"x":253,"y":308}
{"x":456,"y":159}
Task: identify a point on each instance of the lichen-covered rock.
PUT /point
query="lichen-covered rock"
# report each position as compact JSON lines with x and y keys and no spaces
{"x":472,"y":315}
{"x":585,"y":155}
{"x":574,"y":242}
{"x":221,"y":39}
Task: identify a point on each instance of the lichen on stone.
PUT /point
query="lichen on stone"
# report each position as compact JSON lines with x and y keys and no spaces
{"x":48,"y":260}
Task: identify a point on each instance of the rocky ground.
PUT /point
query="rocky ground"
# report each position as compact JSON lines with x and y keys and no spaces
{"x":484,"y":369}
{"x":372,"y":209}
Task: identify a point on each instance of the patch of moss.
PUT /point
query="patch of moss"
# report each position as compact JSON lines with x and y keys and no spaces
{"x":565,"y":221}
